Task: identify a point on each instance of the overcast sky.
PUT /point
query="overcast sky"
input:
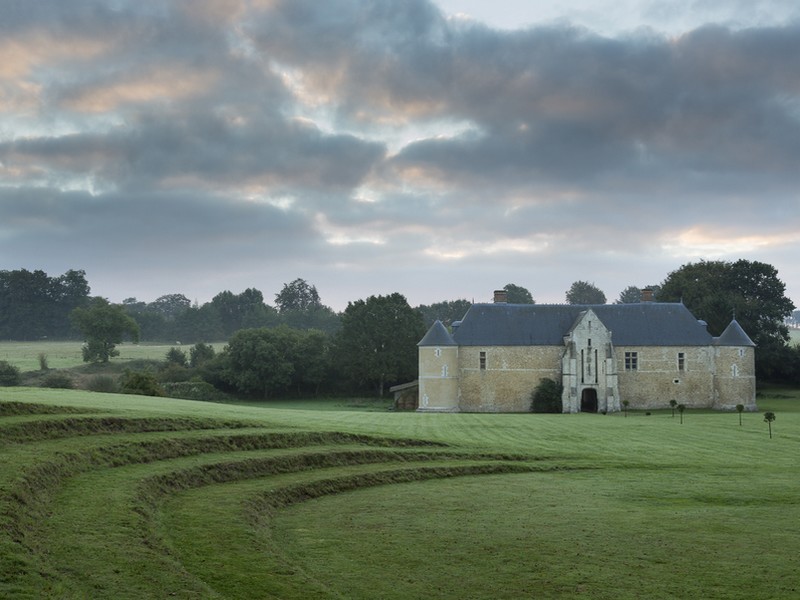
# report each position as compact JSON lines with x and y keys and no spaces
{"x":437,"y":149}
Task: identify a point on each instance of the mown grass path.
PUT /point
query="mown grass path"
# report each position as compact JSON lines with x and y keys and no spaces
{"x":107,"y":496}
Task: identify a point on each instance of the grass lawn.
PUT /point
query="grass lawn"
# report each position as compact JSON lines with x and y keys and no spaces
{"x":110,"y":496}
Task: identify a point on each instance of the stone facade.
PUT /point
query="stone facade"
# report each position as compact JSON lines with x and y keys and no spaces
{"x":603,"y":355}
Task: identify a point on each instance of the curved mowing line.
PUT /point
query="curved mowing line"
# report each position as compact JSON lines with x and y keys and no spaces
{"x":153,"y":492}
{"x":110,"y":516}
{"x":37,"y":484}
{"x":24,"y":507}
{"x":26,"y":503}
{"x":154,"y":488}
{"x":246,"y":537}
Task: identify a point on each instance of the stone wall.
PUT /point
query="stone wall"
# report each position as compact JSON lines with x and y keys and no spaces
{"x":510,"y":376}
{"x":455,"y":378}
{"x":735,"y":378}
{"x":659,"y":380}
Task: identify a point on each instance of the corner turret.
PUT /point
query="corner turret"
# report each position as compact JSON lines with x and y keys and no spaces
{"x":438,"y":371}
{"x":735,"y":376}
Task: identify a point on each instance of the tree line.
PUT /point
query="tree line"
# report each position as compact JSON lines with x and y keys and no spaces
{"x":372,"y":343}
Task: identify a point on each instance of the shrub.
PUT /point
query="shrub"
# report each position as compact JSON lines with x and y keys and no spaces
{"x":546,"y":398}
{"x":58,"y":379}
{"x":43,"y":366}
{"x":174,"y":372}
{"x":9,"y":374}
{"x":102,"y":383}
{"x":141,"y":383}
{"x":200,"y":353}
{"x":195,"y":390}
{"x":176,"y":356}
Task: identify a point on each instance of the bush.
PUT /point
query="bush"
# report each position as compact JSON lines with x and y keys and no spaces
{"x":9,"y":374}
{"x":43,"y":366}
{"x":200,"y":353}
{"x":141,"y":383}
{"x":195,"y":390}
{"x":176,"y":356}
{"x":546,"y":398}
{"x":102,"y":383}
{"x":174,"y":372}
{"x":58,"y":379}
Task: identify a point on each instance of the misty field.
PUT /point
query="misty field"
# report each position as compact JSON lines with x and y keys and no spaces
{"x":113,"y":496}
{"x":65,"y":355}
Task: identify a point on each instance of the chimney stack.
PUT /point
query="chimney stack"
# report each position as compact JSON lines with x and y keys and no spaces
{"x":500,"y":296}
{"x":647,"y":295}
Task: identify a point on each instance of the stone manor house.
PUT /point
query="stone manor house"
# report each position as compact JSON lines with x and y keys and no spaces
{"x":647,"y":353}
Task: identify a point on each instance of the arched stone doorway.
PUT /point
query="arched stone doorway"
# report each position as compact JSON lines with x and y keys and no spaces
{"x":589,"y":400}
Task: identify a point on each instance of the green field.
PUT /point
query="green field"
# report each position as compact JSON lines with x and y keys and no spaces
{"x":64,"y":355}
{"x":113,"y":496}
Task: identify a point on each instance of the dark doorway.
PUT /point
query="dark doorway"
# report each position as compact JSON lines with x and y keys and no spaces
{"x":589,"y":400}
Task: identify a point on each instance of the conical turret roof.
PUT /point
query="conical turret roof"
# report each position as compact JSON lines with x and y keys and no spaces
{"x":437,"y":336}
{"x":734,"y":335}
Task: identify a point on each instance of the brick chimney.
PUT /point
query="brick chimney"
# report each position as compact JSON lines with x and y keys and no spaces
{"x":500,"y":296}
{"x":647,"y":295}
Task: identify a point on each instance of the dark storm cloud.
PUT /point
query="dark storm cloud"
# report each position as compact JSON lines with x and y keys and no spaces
{"x":556,"y":102}
{"x":146,"y":222}
{"x":583,"y":108}
{"x":205,"y":148}
{"x":132,"y":243}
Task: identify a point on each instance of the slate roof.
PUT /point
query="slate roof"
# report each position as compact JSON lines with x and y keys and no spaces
{"x":437,"y":336}
{"x":642,"y":324}
{"x":734,"y":335}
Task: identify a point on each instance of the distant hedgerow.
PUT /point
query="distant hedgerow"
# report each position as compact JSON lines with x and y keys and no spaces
{"x":141,"y":383}
{"x":194,"y":390}
{"x":102,"y":383}
{"x":58,"y":379}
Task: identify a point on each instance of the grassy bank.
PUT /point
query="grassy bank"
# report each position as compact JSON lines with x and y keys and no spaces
{"x":109,"y":496}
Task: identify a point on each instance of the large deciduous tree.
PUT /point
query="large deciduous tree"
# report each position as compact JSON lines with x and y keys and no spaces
{"x":377,"y":345}
{"x":750,"y":291}
{"x":633,"y":294}
{"x":583,"y":292}
{"x":446,"y":311}
{"x":259,"y":360}
{"x":297,"y":295}
{"x":516,"y":294}
{"x":169,"y":306}
{"x":716,"y":291}
{"x":266,"y":362}
{"x":103,"y":326}
{"x":243,"y":311}
{"x":34,"y":306}
{"x":299,"y":306}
